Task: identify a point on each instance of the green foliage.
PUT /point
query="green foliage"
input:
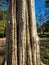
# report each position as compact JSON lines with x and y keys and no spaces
{"x":37,"y":26}
{"x":3,"y":14}
{"x":2,"y":28}
{"x":46,"y":54}
{"x":1,"y":34}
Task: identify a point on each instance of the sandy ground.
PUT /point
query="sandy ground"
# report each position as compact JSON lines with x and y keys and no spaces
{"x":2,"y":49}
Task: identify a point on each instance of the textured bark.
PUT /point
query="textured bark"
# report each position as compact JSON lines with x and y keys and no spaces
{"x":33,"y":33}
{"x":11,"y":38}
{"x":21,"y":32}
{"x":22,"y":38}
{"x":14,"y":34}
{"x":28,"y":43}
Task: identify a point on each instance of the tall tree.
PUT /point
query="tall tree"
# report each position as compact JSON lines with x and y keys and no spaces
{"x":22,"y":39}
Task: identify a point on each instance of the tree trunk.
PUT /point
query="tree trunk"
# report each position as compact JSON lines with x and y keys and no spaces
{"x":33,"y":33}
{"x":23,"y":41}
{"x":14,"y":34}
{"x":11,"y":38}
{"x":21,"y":22}
{"x":28,"y":45}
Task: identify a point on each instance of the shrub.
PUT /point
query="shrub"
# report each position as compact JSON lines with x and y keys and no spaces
{"x":46,"y":54}
{"x":1,"y":34}
{"x":2,"y":28}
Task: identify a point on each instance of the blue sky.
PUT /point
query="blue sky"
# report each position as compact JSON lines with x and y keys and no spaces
{"x":5,"y":5}
{"x":41,"y":11}
{"x":39,"y":5}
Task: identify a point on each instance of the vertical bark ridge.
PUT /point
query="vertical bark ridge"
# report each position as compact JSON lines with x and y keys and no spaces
{"x":24,"y":33}
{"x":38,"y":52}
{"x":14,"y":34}
{"x":21,"y":33}
{"x":11,"y":36}
{"x":29,"y":53}
{"x":33,"y":31}
{"x":19,"y":30}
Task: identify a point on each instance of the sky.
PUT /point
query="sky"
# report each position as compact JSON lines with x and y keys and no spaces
{"x":39,"y":6}
{"x":41,"y":11}
{"x":5,"y":5}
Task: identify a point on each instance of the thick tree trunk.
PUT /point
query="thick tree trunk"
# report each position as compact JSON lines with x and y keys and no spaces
{"x":23,"y":41}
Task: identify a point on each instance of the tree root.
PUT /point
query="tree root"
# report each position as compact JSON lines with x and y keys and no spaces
{"x":42,"y":63}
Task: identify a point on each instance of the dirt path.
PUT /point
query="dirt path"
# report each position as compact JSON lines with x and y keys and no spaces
{"x":2,"y":49}
{"x":2,"y":45}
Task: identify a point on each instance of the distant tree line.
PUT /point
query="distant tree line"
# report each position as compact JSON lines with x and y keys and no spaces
{"x":3,"y":15}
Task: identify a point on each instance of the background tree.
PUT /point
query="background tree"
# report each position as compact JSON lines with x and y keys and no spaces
{"x":47,"y":3}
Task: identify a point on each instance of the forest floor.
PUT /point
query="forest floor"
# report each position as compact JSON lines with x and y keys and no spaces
{"x":2,"y":49}
{"x":44,"y":49}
